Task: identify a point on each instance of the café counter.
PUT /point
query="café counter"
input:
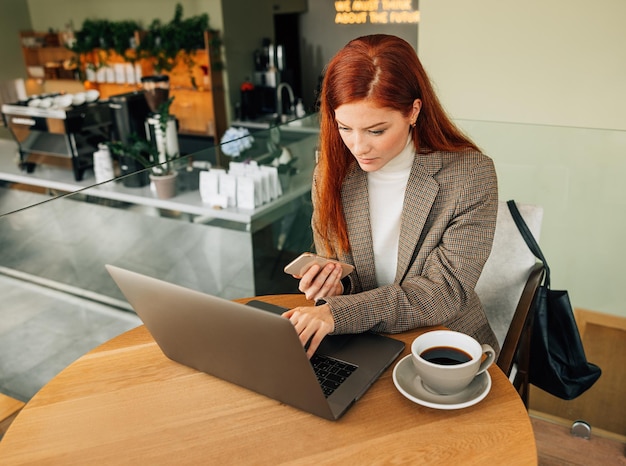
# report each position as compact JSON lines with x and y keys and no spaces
{"x":217,"y":250}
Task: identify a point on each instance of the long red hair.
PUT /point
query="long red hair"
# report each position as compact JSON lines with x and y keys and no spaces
{"x":385,"y":70}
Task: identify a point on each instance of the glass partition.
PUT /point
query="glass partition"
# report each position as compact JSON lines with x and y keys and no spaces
{"x":56,"y":179}
{"x":62,"y":239}
{"x":577,"y":175}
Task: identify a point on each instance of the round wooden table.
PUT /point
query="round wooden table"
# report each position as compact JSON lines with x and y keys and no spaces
{"x":126,"y":403}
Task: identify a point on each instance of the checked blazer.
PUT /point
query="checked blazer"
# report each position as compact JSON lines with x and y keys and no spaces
{"x":447,"y":227}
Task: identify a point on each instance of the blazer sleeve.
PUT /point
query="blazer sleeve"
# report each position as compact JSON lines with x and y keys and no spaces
{"x":438,"y":287}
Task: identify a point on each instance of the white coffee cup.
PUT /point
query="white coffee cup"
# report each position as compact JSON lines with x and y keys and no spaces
{"x":448,"y":361}
{"x":92,"y":95}
{"x":78,"y":98}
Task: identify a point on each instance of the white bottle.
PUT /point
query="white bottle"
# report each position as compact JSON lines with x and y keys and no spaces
{"x":300,"y":112}
{"x":103,"y":164}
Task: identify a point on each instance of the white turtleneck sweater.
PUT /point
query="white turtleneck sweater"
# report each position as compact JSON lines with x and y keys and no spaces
{"x":386,"y":188}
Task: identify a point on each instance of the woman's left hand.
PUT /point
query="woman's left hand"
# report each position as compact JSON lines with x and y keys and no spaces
{"x":320,"y":282}
{"x":312,"y":323}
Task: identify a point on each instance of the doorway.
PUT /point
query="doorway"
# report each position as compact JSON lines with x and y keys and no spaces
{"x":287,"y":34}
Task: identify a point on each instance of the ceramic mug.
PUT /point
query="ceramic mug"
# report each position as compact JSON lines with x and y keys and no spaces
{"x":448,"y":361}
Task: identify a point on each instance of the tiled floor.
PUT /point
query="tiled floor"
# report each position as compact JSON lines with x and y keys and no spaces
{"x":43,"y":330}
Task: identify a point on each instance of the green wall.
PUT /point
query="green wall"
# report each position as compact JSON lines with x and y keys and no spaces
{"x":57,"y":13}
{"x":14,"y":17}
{"x":540,"y":87}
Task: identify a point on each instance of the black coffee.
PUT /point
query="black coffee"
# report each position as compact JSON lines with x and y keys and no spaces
{"x":445,"y":355}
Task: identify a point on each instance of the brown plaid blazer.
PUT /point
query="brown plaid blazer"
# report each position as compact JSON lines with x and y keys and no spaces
{"x":448,"y":222}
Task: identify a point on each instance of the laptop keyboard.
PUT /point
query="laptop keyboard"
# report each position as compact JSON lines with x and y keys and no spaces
{"x":331,"y":372}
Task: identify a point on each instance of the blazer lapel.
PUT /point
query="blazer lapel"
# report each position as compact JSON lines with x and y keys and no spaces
{"x":421,"y":192}
{"x":355,"y":200}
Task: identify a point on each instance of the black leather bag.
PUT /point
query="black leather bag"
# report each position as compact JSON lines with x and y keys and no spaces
{"x":558,"y":363}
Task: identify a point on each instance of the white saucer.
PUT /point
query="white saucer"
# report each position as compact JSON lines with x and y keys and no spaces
{"x":410,"y":385}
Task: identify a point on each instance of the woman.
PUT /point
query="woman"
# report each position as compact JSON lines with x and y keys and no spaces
{"x":400,"y":193}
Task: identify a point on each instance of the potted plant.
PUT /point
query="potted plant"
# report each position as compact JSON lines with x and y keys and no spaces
{"x":166,"y":44}
{"x":88,"y":40}
{"x":138,"y":150}
{"x":98,"y":38}
{"x":122,"y":38}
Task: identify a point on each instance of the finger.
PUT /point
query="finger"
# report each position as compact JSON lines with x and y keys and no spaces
{"x":326,"y":274}
{"x":298,"y":319}
{"x":304,"y":328}
{"x":333,"y":278}
{"x":317,"y":283}
{"x":312,"y":294}
{"x":293,"y":314}
{"x":311,"y":273}
{"x":330,"y":284}
{"x":314,"y":343}
{"x":307,"y":281}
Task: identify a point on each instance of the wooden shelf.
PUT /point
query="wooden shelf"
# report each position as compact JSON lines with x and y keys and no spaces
{"x":198,"y":90}
{"x":44,"y":56}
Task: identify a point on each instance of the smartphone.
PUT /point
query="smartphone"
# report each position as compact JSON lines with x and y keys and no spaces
{"x":305,"y":260}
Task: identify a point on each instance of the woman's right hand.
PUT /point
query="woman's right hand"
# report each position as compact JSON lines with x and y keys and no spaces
{"x":312,"y":323}
{"x":318,"y":282}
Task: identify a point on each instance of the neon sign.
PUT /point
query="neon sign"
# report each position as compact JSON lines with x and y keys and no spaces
{"x":375,"y":12}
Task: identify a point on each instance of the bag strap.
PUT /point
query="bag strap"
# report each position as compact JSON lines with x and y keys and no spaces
{"x":528,"y":238}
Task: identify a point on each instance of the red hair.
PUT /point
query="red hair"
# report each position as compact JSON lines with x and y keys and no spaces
{"x":385,"y":70}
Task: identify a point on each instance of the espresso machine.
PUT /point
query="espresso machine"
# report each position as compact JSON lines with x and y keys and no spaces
{"x":269,"y":62}
{"x":137,"y":113}
{"x":130,"y":112}
{"x":51,"y":129}
{"x":269,"y":71}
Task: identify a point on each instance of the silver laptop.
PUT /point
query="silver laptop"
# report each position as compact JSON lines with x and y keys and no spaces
{"x":251,"y":345}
